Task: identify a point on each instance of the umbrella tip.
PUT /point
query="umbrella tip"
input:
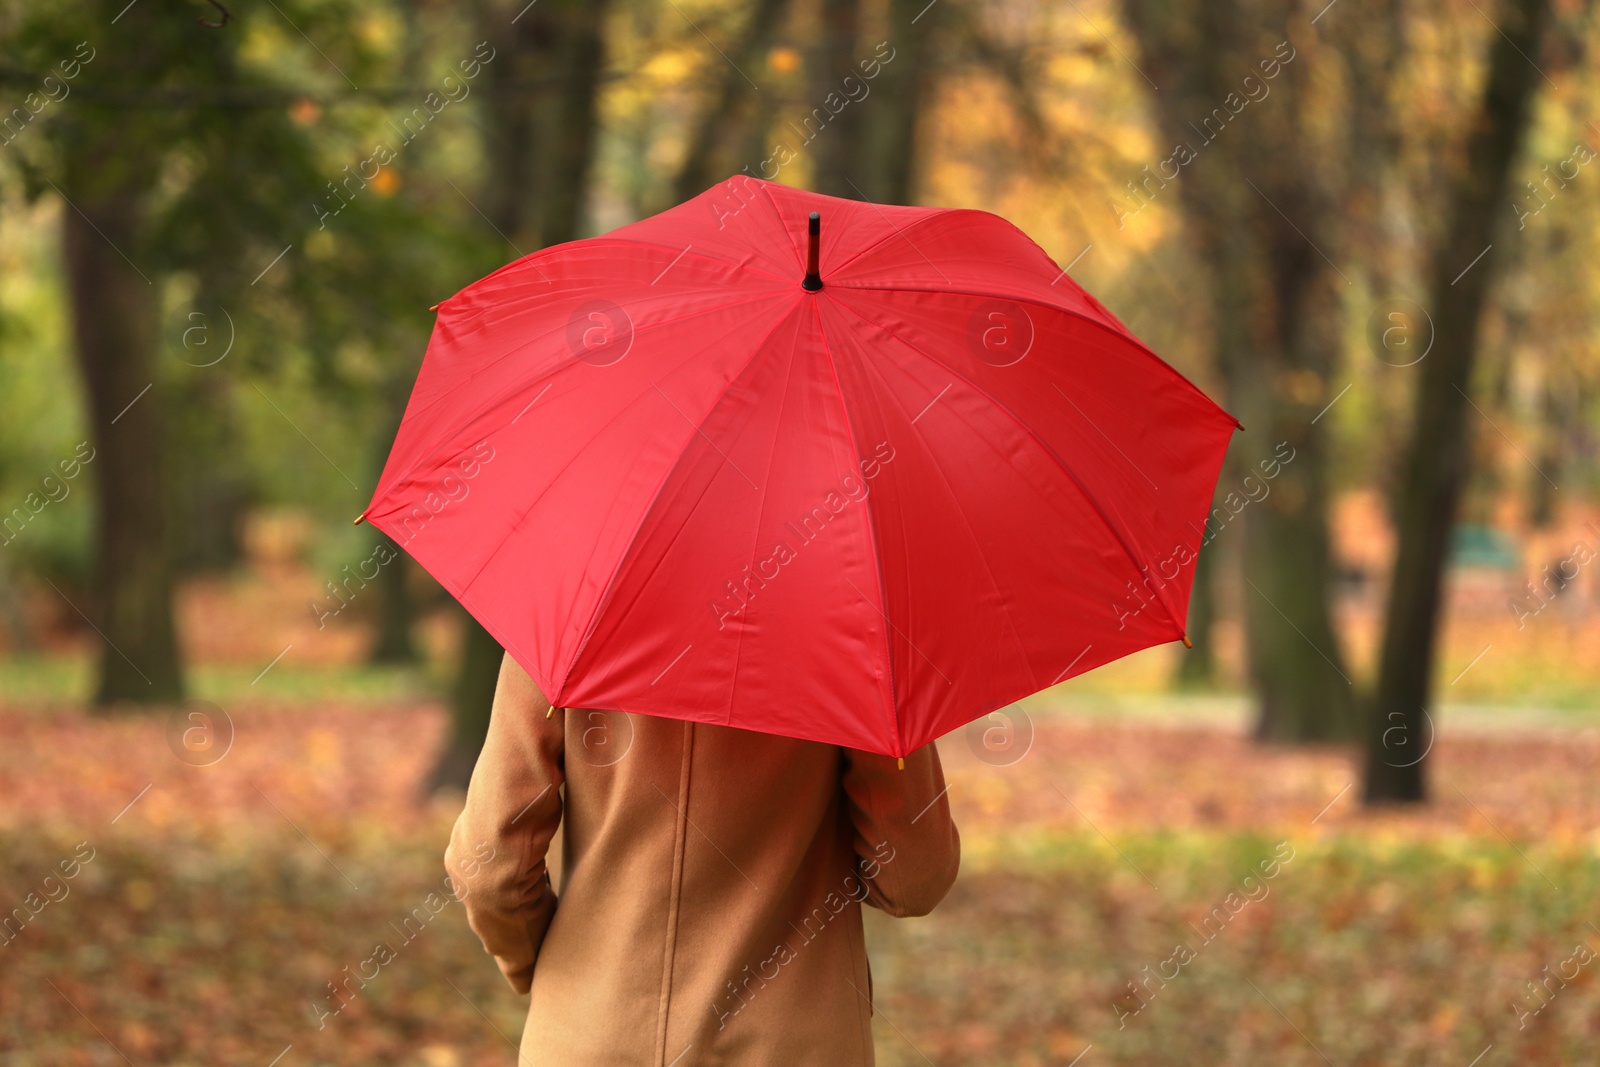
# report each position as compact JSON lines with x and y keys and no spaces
{"x":1239,"y":424}
{"x":902,"y":763}
{"x":434,"y":308}
{"x":1186,"y":642}
{"x":359,"y":519}
{"x":551,"y":712}
{"x":813,"y":278}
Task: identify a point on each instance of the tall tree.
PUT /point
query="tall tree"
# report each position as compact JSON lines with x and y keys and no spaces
{"x":1245,"y":108}
{"x":107,"y":174}
{"x":866,"y":96}
{"x":900,"y":95}
{"x":1198,"y":667}
{"x":832,"y":120}
{"x":1436,"y":463}
{"x":154,"y":181}
{"x":735,"y":111}
{"x":539,"y":136}
{"x":393,"y":639}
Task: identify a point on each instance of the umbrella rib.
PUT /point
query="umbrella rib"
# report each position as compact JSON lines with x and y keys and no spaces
{"x":987,"y":570}
{"x":461,"y":592}
{"x":627,"y":553}
{"x":895,"y":231}
{"x":761,"y":515}
{"x":384,"y":486}
{"x":521,"y":518}
{"x":872,"y":534}
{"x":1121,"y":334}
{"x":574,"y":360}
{"x":777,"y":214}
{"x":500,"y":634}
{"x":933,"y":213}
{"x":636,"y":243}
{"x":1099,"y":509}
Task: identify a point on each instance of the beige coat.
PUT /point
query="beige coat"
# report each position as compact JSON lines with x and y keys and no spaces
{"x":712,"y":878}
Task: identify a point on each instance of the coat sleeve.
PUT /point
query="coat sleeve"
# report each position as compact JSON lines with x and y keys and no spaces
{"x":496,"y":856}
{"x":907,"y":847}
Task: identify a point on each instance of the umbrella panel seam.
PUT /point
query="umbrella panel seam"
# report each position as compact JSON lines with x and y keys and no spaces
{"x":987,"y":570}
{"x":872,"y":536}
{"x":1094,"y":503}
{"x":1122,"y":333}
{"x":550,"y":373}
{"x":627,"y":555}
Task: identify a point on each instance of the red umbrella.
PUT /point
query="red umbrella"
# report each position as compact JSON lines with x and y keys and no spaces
{"x":674,"y":474}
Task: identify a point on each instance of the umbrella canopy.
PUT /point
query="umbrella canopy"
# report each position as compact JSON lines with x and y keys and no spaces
{"x":670,"y":478}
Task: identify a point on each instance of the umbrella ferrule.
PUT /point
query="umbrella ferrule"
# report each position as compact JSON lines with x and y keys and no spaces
{"x":813,"y":279}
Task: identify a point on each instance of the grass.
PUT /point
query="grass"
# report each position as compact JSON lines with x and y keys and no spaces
{"x":1359,"y":951}
{"x":55,"y":681}
{"x":220,"y":900}
{"x":184,"y":950}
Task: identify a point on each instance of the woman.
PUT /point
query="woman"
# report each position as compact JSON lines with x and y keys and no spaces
{"x":712,"y":882}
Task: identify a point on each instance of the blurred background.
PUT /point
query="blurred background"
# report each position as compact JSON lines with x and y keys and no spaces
{"x":1355,"y":824}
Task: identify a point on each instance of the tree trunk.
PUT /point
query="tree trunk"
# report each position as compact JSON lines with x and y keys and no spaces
{"x":1398,"y":731}
{"x":833,"y":122}
{"x":861,"y":130}
{"x":207,"y":469}
{"x":569,"y":121}
{"x":1303,"y":690}
{"x":509,"y":133}
{"x":1197,"y":667}
{"x":733,"y":112}
{"x":393,"y":639}
{"x":538,"y":199}
{"x":1261,"y":207}
{"x":114,"y":317}
{"x":13,"y":614}
{"x":1276,"y":346}
{"x":393,"y":642}
{"x":471,"y":699}
{"x":898,"y":96}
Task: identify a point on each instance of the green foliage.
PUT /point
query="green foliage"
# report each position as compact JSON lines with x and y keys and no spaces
{"x":284,"y":276}
{"x":40,"y":419}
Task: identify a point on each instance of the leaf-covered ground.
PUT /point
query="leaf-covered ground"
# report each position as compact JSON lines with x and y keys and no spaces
{"x":1114,"y":902}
